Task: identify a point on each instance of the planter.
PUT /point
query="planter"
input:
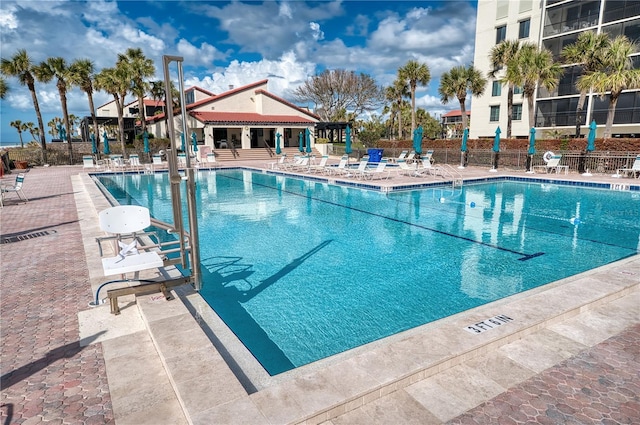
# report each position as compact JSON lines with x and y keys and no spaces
{"x":324,"y":148}
{"x":21,"y":165}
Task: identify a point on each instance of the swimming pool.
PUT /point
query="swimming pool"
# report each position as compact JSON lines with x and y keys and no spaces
{"x":301,"y":270}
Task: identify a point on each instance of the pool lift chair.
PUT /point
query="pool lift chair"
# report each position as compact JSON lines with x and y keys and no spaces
{"x":125,"y":225}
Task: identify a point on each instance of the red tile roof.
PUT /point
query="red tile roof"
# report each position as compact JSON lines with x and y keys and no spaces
{"x":456,"y":113}
{"x":247,"y":117}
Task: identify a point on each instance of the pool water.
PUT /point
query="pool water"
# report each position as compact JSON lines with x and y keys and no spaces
{"x":301,"y":270}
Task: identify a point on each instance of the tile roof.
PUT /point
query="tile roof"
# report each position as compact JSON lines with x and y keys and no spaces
{"x":456,"y":113}
{"x":246,"y":117}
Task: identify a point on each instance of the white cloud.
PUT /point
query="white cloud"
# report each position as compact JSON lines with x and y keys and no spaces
{"x":285,"y":10}
{"x":8,"y":20}
{"x":316,"y":32}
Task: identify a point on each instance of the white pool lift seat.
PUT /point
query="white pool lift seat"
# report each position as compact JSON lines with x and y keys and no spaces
{"x":126,"y":222}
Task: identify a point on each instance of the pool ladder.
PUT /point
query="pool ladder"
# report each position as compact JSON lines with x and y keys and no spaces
{"x":448,"y":172}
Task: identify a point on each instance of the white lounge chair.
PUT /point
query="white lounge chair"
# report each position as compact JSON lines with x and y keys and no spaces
{"x":319,"y":167}
{"x":553,"y":165}
{"x":359,"y":173}
{"x":276,"y":165}
{"x":411,"y":157}
{"x":379,"y":172}
{"x":15,"y":188}
{"x":428,"y":156}
{"x":402,"y":155}
{"x":635,"y":169}
{"x":405,"y":169}
{"x":134,"y":162}
{"x":340,"y":169}
{"x":426,"y":168}
{"x":158,"y":162}
{"x":87,"y":162}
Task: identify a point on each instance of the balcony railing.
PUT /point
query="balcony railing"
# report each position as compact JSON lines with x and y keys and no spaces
{"x":567,"y":26}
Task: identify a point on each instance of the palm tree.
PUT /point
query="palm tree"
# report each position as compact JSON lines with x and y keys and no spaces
{"x":31,"y":128}
{"x":534,"y":67}
{"x":458,"y":82}
{"x":505,"y":54}
{"x":157,"y":93}
{"x":139,"y":67}
{"x":81,"y":74}
{"x":116,"y":82}
{"x":588,"y":51}
{"x":53,"y":126}
{"x":57,"y":68}
{"x":20,"y":127}
{"x":396,"y":93}
{"x":415,"y":73}
{"x":4,"y":89}
{"x":21,"y":67}
{"x":617,"y":75}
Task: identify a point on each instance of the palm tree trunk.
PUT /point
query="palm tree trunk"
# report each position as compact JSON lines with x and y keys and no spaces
{"x":400,"y":121}
{"x":43,"y":138}
{"x":413,"y":109}
{"x":141,"y":111}
{"x":579,"y":109}
{"x":509,"y":109}
{"x":532,"y":115}
{"x":67,"y":127}
{"x":611,"y":113}
{"x":465,"y":122}
{"x":95,"y":122}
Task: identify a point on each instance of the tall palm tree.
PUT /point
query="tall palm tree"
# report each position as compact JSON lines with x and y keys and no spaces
{"x":395,"y":94}
{"x":157,"y":93}
{"x":4,"y":88}
{"x":617,"y":75}
{"x":53,"y":126}
{"x":459,"y":81}
{"x":534,"y":67}
{"x":20,"y":127}
{"x":588,"y":51}
{"x":415,"y":73}
{"x":81,"y":74}
{"x":21,"y":67}
{"x":505,"y":54}
{"x":139,"y":67}
{"x":116,"y":82}
{"x":57,"y":68}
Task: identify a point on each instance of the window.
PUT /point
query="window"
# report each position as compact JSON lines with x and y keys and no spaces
{"x":523,"y":31}
{"x":501,"y":33}
{"x":494,"y":113}
{"x":496,"y":88}
{"x":516,"y":112}
{"x":517,"y":90}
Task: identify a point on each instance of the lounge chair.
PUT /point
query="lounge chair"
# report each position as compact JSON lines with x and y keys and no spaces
{"x":426,"y":168}
{"x":402,"y":155}
{"x":157,"y":162}
{"x":635,"y":169}
{"x":87,"y":162}
{"x":405,"y":169}
{"x":411,"y":157}
{"x":379,"y":171}
{"x":361,"y":171}
{"x":15,"y":188}
{"x":182,"y":160}
{"x":340,"y":169}
{"x":553,"y":165}
{"x":276,"y":165}
{"x":428,"y":156}
{"x":319,"y":167}
{"x":134,"y":162}
{"x":290,"y":165}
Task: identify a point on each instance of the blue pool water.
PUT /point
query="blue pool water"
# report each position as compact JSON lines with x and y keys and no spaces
{"x":301,"y":270}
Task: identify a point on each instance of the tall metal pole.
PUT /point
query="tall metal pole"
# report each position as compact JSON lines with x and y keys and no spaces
{"x":176,"y":179}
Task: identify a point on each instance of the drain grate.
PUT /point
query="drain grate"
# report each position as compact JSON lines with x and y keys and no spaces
{"x":25,"y":236}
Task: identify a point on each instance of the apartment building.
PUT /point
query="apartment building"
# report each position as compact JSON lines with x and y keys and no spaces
{"x":552,"y":24}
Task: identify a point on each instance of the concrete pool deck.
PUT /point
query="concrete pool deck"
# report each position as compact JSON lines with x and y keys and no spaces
{"x":156,"y":363}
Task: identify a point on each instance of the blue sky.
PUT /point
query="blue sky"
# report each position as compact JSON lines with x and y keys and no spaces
{"x":236,"y":43}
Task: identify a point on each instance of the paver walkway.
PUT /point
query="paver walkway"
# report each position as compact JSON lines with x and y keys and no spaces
{"x":46,"y":377}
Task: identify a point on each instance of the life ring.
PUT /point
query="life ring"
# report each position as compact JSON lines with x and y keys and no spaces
{"x":547,"y":156}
